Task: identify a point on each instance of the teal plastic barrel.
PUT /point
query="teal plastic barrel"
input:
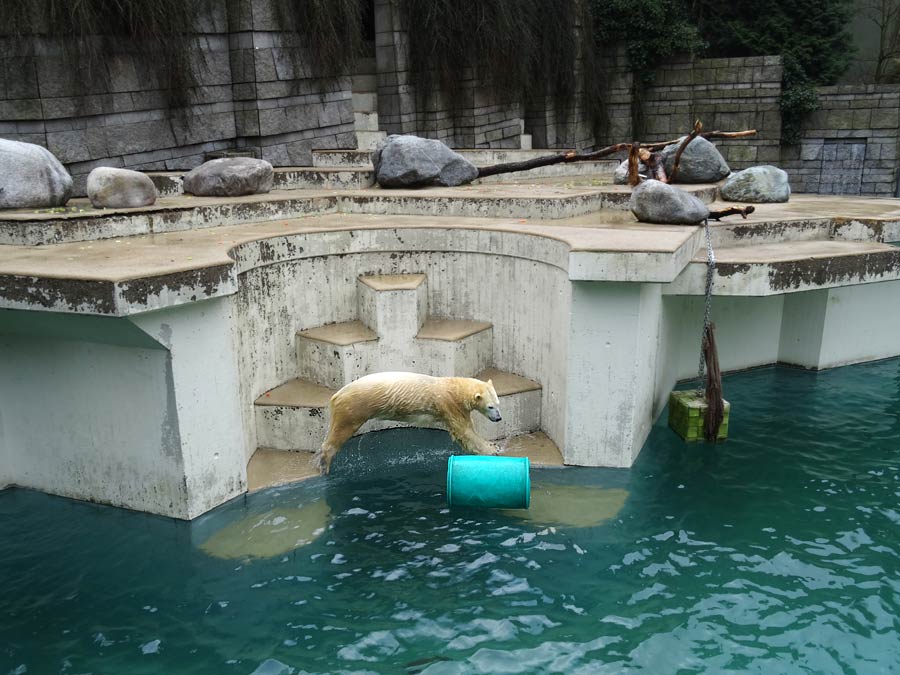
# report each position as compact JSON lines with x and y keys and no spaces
{"x":489,"y":482}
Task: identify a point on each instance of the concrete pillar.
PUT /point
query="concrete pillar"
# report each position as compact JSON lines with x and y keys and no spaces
{"x":612,"y":359}
{"x":204,"y":379}
{"x":88,"y":411}
{"x":840,"y":326}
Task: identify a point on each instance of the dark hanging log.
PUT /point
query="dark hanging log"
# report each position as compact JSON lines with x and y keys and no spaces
{"x":634,"y":163}
{"x":715,"y":404}
{"x":742,"y":211}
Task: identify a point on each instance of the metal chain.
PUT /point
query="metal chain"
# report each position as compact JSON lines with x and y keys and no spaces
{"x":710,"y":272}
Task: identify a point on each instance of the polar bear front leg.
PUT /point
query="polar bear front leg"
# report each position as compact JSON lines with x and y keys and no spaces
{"x":472,"y":442}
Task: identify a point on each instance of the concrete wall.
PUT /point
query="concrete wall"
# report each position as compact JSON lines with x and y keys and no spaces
{"x":530,"y":329}
{"x":95,"y":408}
{"x":249,"y":96}
{"x":478,"y":120}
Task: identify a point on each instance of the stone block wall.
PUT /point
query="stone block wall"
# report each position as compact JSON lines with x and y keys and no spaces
{"x":849,"y":145}
{"x":248,"y":96}
{"x":477,"y":119}
{"x":282,"y":111}
{"x":725,"y":94}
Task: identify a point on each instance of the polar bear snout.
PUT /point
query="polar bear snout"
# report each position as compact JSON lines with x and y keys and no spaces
{"x":493,"y":414}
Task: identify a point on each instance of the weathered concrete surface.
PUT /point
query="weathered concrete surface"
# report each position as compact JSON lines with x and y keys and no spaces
{"x":516,"y":275}
{"x":81,"y":222}
{"x":791,"y":267}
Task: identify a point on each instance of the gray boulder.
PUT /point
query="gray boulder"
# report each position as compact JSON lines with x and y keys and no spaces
{"x":110,"y":188}
{"x":31,"y":177}
{"x":620,"y":177}
{"x":410,"y":161}
{"x":656,"y":202}
{"x":758,"y":184}
{"x":229,"y":177}
{"x":700,"y":162}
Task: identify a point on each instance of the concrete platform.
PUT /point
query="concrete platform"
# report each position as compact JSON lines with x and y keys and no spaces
{"x":79,"y":221}
{"x":599,"y":313}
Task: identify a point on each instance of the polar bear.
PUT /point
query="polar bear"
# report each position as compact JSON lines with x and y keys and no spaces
{"x":413,"y":398}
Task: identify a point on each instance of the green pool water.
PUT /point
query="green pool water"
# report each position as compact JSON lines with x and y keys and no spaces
{"x":775,"y":552}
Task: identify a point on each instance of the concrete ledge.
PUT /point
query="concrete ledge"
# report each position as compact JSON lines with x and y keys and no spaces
{"x":341,"y":334}
{"x":82,"y":222}
{"x":450,"y":330}
{"x":393,"y":282}
{"x":790,"y":267}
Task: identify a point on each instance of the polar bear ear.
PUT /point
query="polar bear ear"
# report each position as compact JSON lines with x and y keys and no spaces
{"x":477,"y":396}
{"x":490,"y":383}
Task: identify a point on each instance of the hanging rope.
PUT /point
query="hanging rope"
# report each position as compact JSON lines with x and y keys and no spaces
{"x":709,"y":356}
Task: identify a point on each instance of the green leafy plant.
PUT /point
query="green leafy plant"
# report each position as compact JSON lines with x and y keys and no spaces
{"x":652,"y":32}
{"x":811,"y":36}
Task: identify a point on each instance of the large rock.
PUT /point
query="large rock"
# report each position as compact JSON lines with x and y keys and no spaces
{"x":229,"y":177}
{"x":656,"y":202}
{"x":31,"y":177}
{"x":758,"y":184}
{"x":700,"y":162}
{"x":410,"y":161}
{"x":110,"y":188}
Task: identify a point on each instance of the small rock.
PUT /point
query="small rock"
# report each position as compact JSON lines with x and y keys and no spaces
{"x":110,"y":188}
{"x":620,"y":177}
{"x":410,"y":161}
{"x":229,"y":177}
{"x":758,"y":184}
{"x":700,"y":162}
{"x":31,"y":177}
{"x":656,"y":202}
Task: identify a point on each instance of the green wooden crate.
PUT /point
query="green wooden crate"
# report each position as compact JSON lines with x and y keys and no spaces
{"x":687,"y":410}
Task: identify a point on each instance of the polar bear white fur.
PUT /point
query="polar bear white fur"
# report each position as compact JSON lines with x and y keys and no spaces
{"x":412,"y":398}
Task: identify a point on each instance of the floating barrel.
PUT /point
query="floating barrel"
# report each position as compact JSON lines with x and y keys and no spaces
{"x":489,"y":482}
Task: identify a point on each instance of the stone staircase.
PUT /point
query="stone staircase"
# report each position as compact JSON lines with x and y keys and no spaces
{"x":365,"y":104}
{"x":393,"y":332}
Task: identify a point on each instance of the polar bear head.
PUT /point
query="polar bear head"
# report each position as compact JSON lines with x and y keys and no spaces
{"x":486,"y":401}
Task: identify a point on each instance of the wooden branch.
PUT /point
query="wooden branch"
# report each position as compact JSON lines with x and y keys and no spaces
{"x":742,"y":211}
{"x":698,"y":127}
{"x":566,"y":157}
{"x":707,"y":135}
{"x":633,"y":164}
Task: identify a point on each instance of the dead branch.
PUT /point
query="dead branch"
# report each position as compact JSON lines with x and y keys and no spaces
{"x":566,"y":157}
{"x":698,"y":127}
{"x":742,"y":211}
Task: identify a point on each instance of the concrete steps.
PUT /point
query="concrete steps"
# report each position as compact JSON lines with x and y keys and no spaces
{"x":336,"y":354}
{"x":169,"y":184}
{"x":393,"y":331}
{"x":295,"y":417}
